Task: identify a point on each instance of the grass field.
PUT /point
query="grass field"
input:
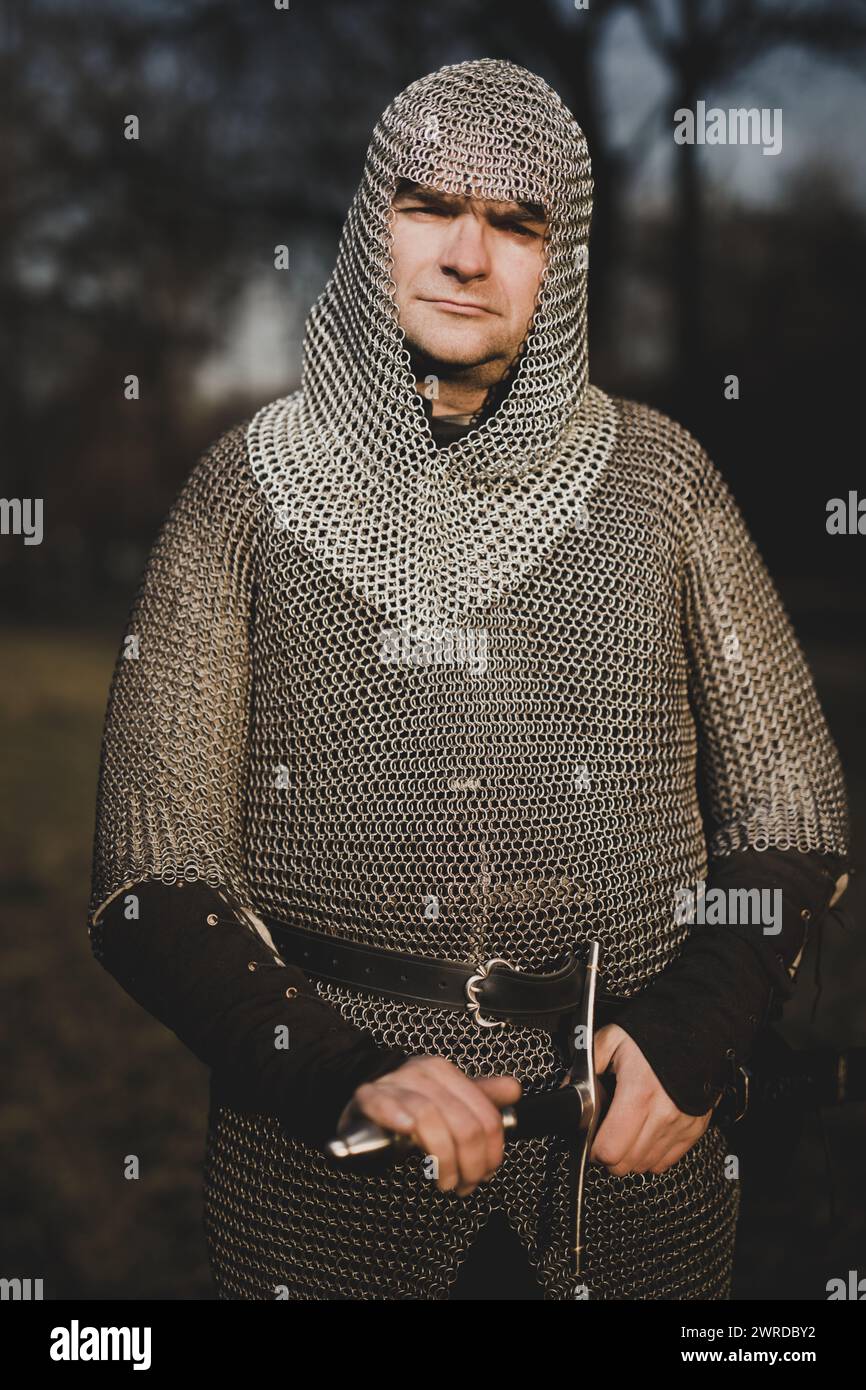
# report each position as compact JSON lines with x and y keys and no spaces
{"x":90,"y":1078}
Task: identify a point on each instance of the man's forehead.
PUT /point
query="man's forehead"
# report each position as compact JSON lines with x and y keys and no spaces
{"x":426,"y":192}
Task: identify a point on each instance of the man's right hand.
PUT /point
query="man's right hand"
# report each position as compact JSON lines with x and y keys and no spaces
{"x":447,"y":1113}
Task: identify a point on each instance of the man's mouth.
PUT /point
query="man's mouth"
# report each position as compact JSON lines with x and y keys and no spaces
{"x":457,"y":306}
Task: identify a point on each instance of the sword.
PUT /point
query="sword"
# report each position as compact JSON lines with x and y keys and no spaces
{"x":583,"y":1081}
{"x":573,"y":1111}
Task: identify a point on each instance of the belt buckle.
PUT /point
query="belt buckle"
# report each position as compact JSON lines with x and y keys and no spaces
{"x":735,"y":1093}
{"x":742,"y":1091}
{"x":473,"y":1003}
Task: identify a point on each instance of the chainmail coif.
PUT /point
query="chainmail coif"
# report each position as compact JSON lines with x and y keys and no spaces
{"x":452,"y":702}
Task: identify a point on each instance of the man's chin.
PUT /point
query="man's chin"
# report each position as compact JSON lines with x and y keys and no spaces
{"x":454,"y":352}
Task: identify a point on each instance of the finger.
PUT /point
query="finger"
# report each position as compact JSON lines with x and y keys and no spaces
{"x":607,"y":1040}
{"x":417,"y":1114}
{"x":666,"y":1127}
{"x":655,"y":1138}
{"x":467,"y":1136}
{"x":502,"y":1090}
{"x":663,"y":1161}
{"x":680,"y":1139}
{"x":621,"y":1125}
{"x":657,"y":1153}
{"x":685,"y":1141}
{"x":476,"y":1094}
{"x":479,"y":1095}
{"x":474,"y":1122}
{"x":385,"y":1105}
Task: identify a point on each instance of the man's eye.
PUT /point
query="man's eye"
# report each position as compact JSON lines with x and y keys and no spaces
{"x":519,"y":228}
{"x":435,"y":212}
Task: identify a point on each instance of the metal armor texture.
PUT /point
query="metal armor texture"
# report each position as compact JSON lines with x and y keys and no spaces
{"x":488,"y":700}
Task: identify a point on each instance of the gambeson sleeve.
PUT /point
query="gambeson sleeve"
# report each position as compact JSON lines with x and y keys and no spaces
{"x":273,"y":1044}
{"x":697,"y":1020}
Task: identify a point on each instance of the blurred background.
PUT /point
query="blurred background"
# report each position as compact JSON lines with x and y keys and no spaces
{"x":155,"y":257}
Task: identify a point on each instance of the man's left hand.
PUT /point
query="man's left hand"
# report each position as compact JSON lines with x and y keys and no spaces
{"x":643,"y":1131}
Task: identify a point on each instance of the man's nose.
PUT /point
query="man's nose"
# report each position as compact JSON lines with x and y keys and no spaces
{"x":465,"y":253}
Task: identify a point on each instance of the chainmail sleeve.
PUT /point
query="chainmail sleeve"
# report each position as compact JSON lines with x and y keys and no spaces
{"x":773,"y":800}
{"x":768,"y":770}
{"x":174,"y":752}
{"x":170,"y":816}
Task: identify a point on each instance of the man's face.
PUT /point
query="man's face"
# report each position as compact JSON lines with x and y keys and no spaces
{"x":467,"y":273}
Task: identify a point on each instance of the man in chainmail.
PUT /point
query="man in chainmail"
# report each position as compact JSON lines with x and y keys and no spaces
{"x":452,"y":654}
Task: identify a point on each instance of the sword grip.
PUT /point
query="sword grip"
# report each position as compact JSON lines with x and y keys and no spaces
{"x":558,"y":1112}
{"x":547,"y":1112}
{"x":364,"y":1147}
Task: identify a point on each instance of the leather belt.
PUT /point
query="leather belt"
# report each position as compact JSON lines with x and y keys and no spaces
{"x":494,"y":992}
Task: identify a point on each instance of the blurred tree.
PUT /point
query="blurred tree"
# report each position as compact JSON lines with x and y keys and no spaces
{"x":121,"y":256}
{"x":704,"y":44}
